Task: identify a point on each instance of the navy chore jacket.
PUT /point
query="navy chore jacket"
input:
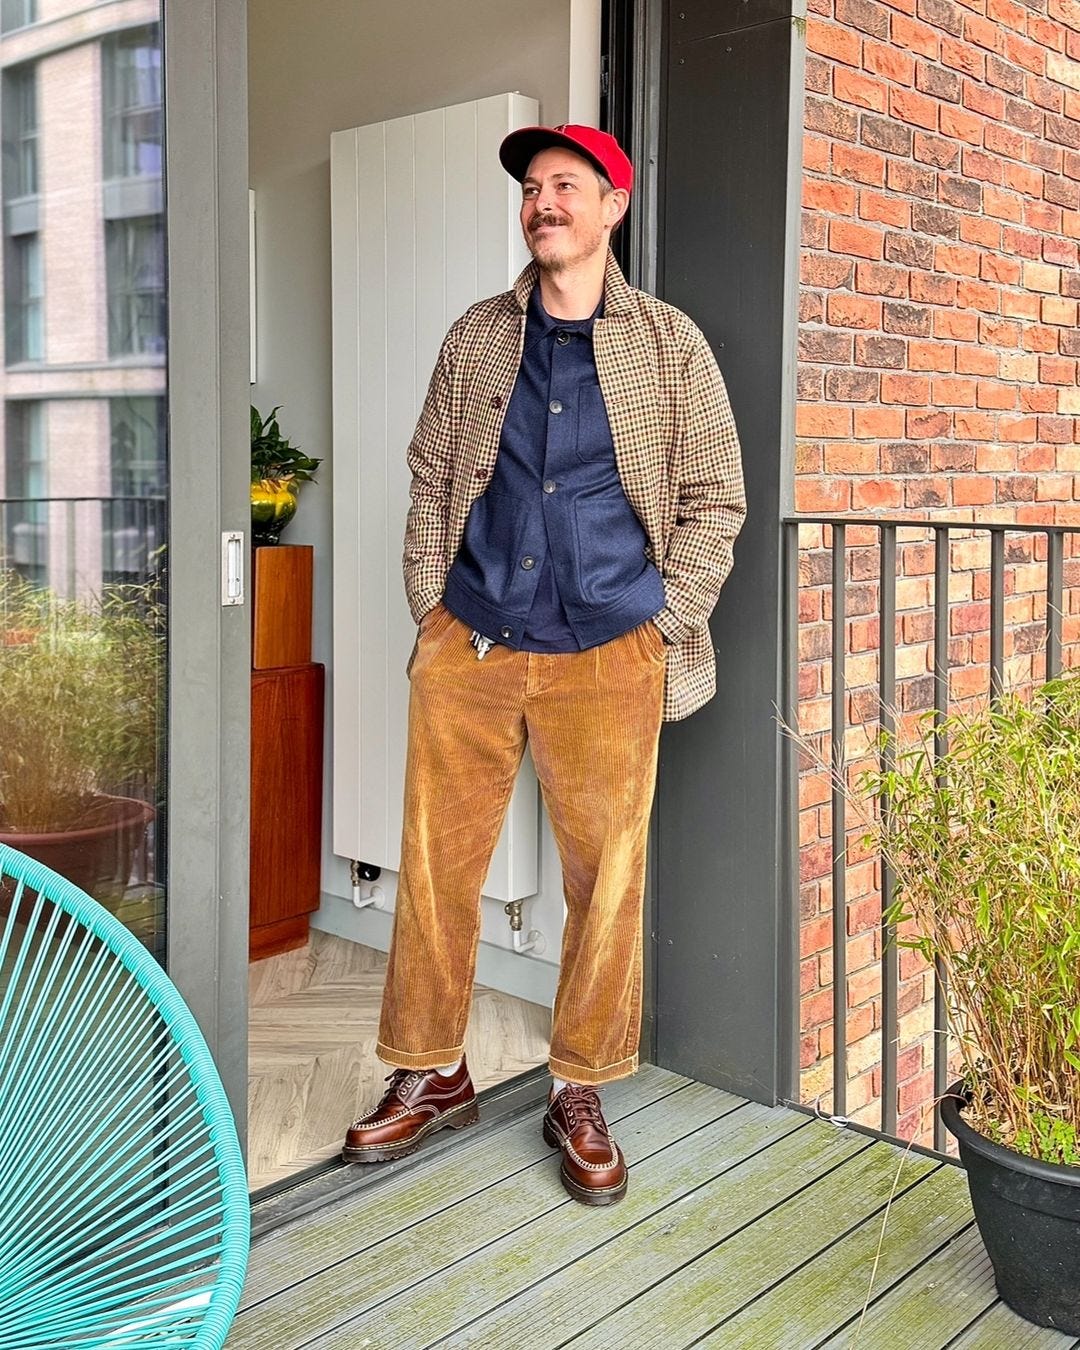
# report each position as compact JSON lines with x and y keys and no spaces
{"x":553,"y":558}
{"x":676,"y":454}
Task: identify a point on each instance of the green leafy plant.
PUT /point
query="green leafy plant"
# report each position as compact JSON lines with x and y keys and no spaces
{"x":274,"y":459}
{"x":984,"y":843}
{"x":81,"y":700}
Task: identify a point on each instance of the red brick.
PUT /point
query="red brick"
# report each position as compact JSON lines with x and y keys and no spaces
{"x":916,"y":109}
{"x":825,"y":269}
{"x":914,"y":35}
{"x":1002,"y":205}
{"x":880,"y":279}
{"x":959,"y":56}
{"x":852,"y":311}
{"x":884,"y":352}
{"x":924,"y":423}
{"x":981,"y":99}
{"x":976,"y":164}
{"x":816,"y":421}
{"x":888,"y":210}
{"x":974,"y":426}
{"x":1005,"y":270}
{"x":910,"y":389}
{"x":957,"y":259}
{"x":977,"y":295}
{"x":823,"y":496}
{"x":819,"y":194}
{"x":1021,"y":178}
{"x":999,"y":332}
{"x":851,"y":87}
{"x":847,"y":457}
{"x":930,"y":289}
{"x":879,"y":422}
{"x":876,"y":494}
{"x":955,"y":392}
{"x":976,"y":230}
{"x":990,"y":394}
{"x":845,"y":386}
{"x":1038,"y":337}
{"x":889,"y":63}
{"x":931,"y":356}
{"x":845,"y":237}
{"x":864,"y":166}
{"x":828,"y":39}
{"x":1017,"y":428}
{"x":972,"y":491}
{"x":956,"y":324}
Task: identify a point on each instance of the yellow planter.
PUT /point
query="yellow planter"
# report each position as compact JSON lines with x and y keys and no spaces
{"x":273,"y":505}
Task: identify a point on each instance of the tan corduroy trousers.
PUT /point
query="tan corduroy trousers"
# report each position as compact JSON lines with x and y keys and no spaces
{"x":592,"y":721}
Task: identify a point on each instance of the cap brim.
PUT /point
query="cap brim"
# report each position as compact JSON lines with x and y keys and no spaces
{"x":520,"y":148}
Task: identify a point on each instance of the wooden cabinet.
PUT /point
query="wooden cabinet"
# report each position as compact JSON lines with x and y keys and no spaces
{"x":286,"y":753}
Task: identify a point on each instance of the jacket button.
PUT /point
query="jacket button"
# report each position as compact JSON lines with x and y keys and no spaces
{"x":562,"y":338}
{"x":527,"y":563}
{"x":496,"y":401}
{"x":555,"y":406}
{"x":482,"y":473}
{"x":506,"y":632}
{"x":549,"y":484}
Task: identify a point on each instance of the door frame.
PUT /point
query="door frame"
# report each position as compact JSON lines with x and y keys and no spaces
{"x":206,"y":204}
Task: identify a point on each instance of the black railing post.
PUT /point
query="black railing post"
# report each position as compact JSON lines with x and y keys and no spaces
{"x":997,"y":613}
{"x":887,"y":700}
{"x":1055,"y":570}
{"x":839,"y":818}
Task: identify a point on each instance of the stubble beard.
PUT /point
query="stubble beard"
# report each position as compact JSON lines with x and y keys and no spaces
{"x":555,"y":262}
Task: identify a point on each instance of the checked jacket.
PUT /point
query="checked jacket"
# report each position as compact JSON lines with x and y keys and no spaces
{"x":676,"y":450}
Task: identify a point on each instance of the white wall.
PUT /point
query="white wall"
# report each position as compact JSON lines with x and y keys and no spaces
{"x":322,"y":67}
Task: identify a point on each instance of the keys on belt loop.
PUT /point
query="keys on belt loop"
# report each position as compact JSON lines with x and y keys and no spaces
{"x":482,"y":644}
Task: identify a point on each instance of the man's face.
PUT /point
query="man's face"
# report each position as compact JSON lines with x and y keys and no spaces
{"x":563,"y":216}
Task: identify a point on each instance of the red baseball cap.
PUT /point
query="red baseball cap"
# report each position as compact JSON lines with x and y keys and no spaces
{"x":604,"y":151}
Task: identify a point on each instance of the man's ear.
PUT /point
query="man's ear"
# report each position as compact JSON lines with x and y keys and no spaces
{"x":616,"y":202}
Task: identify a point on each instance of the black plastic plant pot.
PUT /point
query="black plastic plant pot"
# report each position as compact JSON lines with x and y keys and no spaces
{"x":1028,"y":1213}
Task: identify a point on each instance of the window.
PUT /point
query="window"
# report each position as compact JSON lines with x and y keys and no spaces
{"x":135,"y":526}
{"x":17,"y":14}
{"x":23,"y":299}
{"x":25,"y":479}
{"x":131,"y":102}
{"x":19,"y":113}
{"x":135,"y":268}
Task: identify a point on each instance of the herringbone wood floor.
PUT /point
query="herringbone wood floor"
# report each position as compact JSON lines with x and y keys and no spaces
{"x":312,"y":1068}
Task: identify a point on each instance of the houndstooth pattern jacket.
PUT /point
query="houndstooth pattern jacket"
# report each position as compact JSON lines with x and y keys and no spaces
{"x":676,"y":449}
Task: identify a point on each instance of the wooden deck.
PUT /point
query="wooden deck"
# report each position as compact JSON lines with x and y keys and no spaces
{"x":743,"y":1227}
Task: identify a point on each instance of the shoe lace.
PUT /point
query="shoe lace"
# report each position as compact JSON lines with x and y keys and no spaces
{"x":399,"y":1080}
{"x":582,"y":1105}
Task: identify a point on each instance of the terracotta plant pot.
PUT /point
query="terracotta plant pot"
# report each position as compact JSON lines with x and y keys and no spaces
{"x":97,"y":853}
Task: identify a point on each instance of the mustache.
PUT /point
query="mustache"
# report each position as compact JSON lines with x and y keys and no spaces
{"x":538,"y":222}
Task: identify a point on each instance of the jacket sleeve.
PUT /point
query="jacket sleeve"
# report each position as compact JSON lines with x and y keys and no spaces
{"x":430,"y":458}
{"x":711,"y":504}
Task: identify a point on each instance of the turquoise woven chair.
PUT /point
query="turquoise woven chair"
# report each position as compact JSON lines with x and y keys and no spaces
{"x":124,"y":1216}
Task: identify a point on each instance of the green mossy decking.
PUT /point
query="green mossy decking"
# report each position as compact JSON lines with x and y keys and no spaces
{"x":743,"y":1227}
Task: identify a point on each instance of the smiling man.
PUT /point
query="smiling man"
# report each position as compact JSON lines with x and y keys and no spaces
{"x":576,"y":493}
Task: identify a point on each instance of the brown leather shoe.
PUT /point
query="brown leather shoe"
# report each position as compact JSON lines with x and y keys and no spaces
{"x":593,"y":1168}
{"x":417,"y":1103}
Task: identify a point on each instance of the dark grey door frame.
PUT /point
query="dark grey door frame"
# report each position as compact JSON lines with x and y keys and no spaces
{"x":208,"y":393}
{"x":708,"y":95}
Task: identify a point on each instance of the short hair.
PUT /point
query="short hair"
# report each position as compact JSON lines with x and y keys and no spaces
{"x":607,"y":187}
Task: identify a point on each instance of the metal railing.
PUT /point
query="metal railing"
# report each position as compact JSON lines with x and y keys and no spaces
{"x":77,"y":544}
{"x":1010,"y":546}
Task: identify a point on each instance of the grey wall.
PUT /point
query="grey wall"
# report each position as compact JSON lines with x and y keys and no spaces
{"x":324,"y":67}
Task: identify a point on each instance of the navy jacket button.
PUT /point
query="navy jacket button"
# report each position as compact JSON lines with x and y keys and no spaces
{"x":506,"y":632}
{"x":555,"y":406}
{"x":527,"y":563}
{"x":549,"y":484}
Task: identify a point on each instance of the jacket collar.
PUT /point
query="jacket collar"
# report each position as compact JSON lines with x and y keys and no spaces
{"x":617,"y":292}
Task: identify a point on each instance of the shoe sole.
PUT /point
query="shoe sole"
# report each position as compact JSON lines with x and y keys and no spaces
{"x":457,"y":1118}
{"x":584,"y":1195}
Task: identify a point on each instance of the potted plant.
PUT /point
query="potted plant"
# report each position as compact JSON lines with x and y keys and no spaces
{"x":277,"y":469}
{"x":984,"y":842}
{"x":81,"y":715}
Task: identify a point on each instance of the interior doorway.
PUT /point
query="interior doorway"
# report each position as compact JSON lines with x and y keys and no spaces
{"x":313,"y":1005}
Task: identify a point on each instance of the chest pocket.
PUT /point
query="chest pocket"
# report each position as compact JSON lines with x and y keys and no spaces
{"x":594,"y":443}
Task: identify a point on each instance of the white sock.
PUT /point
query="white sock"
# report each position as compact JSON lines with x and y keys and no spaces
{"x":448,"y":1070}
{"x":559,"y":1084}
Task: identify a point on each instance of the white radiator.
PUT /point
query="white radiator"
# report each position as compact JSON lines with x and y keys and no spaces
{"x":424,"y":223}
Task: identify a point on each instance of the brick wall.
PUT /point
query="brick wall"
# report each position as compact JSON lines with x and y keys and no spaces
{"x":938,"y":357}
